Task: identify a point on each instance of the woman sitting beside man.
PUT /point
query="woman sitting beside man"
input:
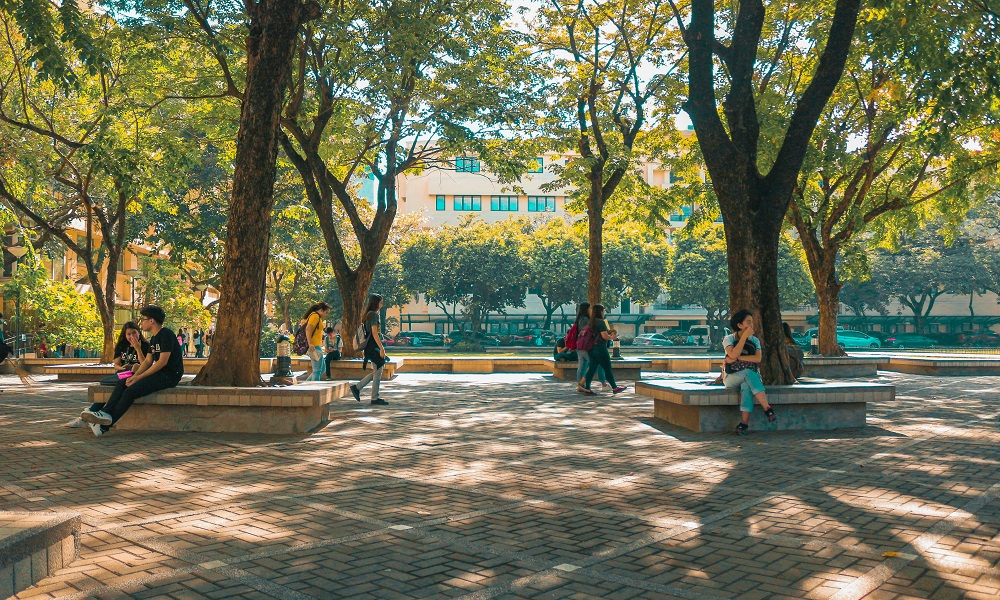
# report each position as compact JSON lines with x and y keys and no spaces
{"x":130,"y":351}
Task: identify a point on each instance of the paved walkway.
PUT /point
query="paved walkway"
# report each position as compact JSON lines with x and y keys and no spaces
{"x":514,"y":486}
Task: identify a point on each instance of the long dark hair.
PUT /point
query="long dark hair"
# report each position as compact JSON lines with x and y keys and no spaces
{"x":315,"y":308}
{"x":373,"y":301}
{"x":788,"y":332}
{"x":737,"y":318}
{"x":596,"y":312}
{"x":122,"y":340}
{"x":582,"y":311}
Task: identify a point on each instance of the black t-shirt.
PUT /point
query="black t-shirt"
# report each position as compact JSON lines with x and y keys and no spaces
{"x":127,"y":354}
{"x":166,"y":341}
{"x":371,"y":319}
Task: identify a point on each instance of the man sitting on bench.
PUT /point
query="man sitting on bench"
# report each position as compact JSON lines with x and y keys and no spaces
{"x":162,"y":368}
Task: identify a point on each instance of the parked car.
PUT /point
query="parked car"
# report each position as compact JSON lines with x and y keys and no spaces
{"x":677,"y":336}
{"x":804,"y":341}
{"x":532,"y":336}
{"x":460,"y":336}
{"x":910,"y":340}
{"x":980,"y":339}
{"x":652,"y":339}
{"x":419,"y":338}
{"x":848,"y":338}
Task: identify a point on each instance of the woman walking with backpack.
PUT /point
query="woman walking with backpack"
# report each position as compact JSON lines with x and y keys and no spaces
{"x":374,"y":352}
{"x":595,"y":339}
{"x":310,"y":334}
{"x":582,"y":356}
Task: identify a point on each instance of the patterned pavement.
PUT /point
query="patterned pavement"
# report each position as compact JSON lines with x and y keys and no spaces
{"x":514,"y":486}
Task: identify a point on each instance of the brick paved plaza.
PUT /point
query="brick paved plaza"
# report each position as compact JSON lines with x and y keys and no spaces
{"x":514,"y":486}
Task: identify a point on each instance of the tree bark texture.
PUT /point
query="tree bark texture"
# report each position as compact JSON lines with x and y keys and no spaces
{"x":753,"y":204}
{"x":274,"y":26}
{"x":822,"y":261}
{"x":595,"y":247}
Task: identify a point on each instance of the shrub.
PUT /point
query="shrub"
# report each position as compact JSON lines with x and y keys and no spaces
{"x":467,"y":346}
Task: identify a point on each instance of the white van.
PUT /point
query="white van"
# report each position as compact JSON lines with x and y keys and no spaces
{"x":698,"y":335}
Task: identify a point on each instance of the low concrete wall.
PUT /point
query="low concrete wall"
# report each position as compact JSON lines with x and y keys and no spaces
{"x":33,"y":545}
{"x":845,"y":366}
{"x":269,"y":410}
{"x":936,"y":365}
{"x":624,"y":369}
{"x":814,"y":406}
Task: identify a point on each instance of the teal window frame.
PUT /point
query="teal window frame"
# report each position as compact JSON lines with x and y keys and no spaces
{"x":541,"y":165}
{"x":504,"y":203}
{"x":467,"y":164}
{"x":541,"y":203}
{"x":439,"y":203}
{"x":468,"y":203}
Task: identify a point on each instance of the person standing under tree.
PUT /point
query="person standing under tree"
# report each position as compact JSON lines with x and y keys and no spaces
{"x":373,"y":349}
{"x":162,"y":368}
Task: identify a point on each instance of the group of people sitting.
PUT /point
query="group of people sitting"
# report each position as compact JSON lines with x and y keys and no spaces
{"x":141,"y":368}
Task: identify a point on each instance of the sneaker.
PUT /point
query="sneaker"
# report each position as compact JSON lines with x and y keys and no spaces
{"x":619,"y":389}
{"x":100,"y":417}
{"x":771,"y":417}
{"x":356,"y":392}
{"x":741,"y":429}
{"x":77,"y":422}
{"x":97,"y":429}
{"x":587,"y":392}
{"x":581,"y":389}
{"x":379,"y":402}
{"x":605,"y":385}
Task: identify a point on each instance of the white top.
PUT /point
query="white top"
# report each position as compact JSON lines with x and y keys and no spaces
{"x":730,"y":341}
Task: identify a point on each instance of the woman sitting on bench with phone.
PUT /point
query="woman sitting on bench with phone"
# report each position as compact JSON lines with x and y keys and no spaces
{"x":130,"y":351}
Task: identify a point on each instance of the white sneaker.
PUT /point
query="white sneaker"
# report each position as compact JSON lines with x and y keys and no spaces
{"x":98,"y":432}
{"x":77,"y":422}
{"x":100,"y":417}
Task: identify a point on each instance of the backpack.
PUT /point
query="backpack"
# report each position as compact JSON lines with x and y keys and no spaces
{"x":586,"y":339}
{"x":300,"y":345}
{"x":571,"y":337}
{"x":361,"y":337}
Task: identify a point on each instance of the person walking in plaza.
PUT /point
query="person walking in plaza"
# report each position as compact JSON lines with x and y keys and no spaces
{"x":161,"y":368}
{"x":599,"y":357}
{"x":312,"y":321}
{"x":742,"y":367}
{"x":199,"y":343}
{"x":582,"y":356}
{"x":374,"y":352}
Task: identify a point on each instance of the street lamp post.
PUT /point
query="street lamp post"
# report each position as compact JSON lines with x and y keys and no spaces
{"x":134,"y":274}
{"x":17,"y":252}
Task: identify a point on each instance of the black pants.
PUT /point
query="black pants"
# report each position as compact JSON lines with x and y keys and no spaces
{"x":599,"y":357}
{"x":122,"y":398}
{"x":200,"y":350}
{"x":330,"y":357}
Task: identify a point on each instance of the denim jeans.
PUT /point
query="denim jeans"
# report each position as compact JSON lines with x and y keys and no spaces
{"x":582,"y":362}
{"x":316,"y":358}
{"x":749,"y":383}
{"x":375,"y":378}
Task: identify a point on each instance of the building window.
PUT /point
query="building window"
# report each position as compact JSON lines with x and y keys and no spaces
{"x":467,"y":164}
{"x":541,"y":203}
{"x":503,"y":203}
{"x":468,"y":203}
{"x":439,"y":203}
{"x":537,"y":165}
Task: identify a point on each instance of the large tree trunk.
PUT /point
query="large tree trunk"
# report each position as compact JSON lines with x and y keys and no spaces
{"x":829,"y":305}
{"x":595,"y":242}
{"x":354,"y":294}
{"x":752,"y":253}
{"x":234,"y":361}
